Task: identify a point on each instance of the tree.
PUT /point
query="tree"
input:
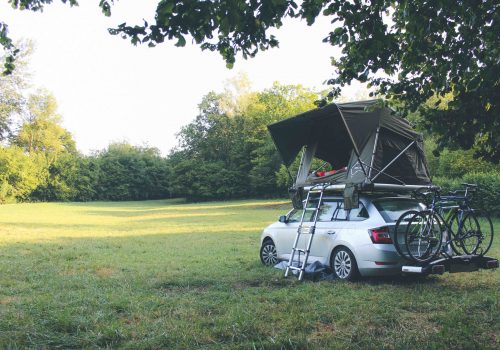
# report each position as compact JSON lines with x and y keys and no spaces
{"x":12,"y":90}
{"x":271,"y":105}
{"x":41,"y":131}
{"x":70,"y":177}
{"x":226,"y":152}
{"x":20,"y":174}
{"x":127,"y":172}
{"x":408,"y":50}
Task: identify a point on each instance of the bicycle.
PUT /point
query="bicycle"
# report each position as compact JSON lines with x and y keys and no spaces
{"x":466,"y":230}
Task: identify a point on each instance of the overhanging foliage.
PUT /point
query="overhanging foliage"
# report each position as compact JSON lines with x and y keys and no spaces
{"x":408,"y":50}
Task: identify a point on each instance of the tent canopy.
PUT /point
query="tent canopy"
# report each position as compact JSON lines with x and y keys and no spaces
{"x":358,"y":135}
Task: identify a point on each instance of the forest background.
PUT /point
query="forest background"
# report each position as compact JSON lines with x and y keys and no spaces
{"x":225,"y":153}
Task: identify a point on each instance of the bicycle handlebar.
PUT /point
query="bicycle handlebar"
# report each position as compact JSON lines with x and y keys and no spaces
{"x":458,"y":195}
{"x":469,"y":185}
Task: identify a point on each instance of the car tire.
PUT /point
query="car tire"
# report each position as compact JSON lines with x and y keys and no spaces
{"x":268,"y":253}
{"x":344,"y":264}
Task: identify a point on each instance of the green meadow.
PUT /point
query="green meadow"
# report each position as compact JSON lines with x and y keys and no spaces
{"x":166,"y":274}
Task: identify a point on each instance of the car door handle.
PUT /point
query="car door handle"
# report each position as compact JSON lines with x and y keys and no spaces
{"x":330,"y":232}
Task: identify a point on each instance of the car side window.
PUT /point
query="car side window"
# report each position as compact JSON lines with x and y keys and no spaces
{"x":358,"y":214}
{"x":331,"y":211}
{"x":339,"y":214}
{"x":295,"y":215}
{"x":334,"y":211}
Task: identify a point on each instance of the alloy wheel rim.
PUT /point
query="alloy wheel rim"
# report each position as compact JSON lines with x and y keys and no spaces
{"x":342,"y":264}
{"x":269,"y":254}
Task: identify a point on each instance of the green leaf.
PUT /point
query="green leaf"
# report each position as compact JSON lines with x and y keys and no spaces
{"x":181,"y":41}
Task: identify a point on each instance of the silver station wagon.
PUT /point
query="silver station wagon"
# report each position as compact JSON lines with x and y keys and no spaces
{"x":352,"y":242}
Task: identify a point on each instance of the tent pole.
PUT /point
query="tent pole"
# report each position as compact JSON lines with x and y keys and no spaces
{"x":301,"y":165}
{"x":352,"y":140}
{"x":322,"y":165}
{"x":392,"y":161}
{"x":373,"y":153}
{"x":289,"y":175}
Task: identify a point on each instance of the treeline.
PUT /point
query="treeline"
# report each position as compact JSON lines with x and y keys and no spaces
{"x":226,"y":152}
{"x":121,"y":172}
{"x":39,"y":162}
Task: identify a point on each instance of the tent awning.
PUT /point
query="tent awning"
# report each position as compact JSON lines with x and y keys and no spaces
{"x":338,"y":129}
{"x":365,"y":137}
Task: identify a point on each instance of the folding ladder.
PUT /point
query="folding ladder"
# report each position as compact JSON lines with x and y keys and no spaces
{"x":315,"y":190}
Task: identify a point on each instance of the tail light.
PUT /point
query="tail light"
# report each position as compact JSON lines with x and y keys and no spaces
{"x":380,"y":235}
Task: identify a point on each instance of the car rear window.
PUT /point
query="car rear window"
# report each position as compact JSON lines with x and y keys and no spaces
{"x":392,"y":208}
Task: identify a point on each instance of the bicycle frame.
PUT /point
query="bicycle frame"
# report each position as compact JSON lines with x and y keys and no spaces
{"x":462,"y":208}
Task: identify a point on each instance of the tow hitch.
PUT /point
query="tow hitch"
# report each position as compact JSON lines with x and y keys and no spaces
{"x":459,"y":263}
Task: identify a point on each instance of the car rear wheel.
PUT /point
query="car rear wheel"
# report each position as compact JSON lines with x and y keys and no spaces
{"x":344,"y":264}
{"x":268,"y":253}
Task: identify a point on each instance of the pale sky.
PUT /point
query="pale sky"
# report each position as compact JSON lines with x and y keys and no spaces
{"x":109,"y":90}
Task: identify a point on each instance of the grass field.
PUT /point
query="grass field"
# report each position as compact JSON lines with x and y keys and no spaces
{"x":161,"y":274}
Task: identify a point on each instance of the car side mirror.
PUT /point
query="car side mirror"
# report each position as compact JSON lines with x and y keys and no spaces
{"x":283,"y":219}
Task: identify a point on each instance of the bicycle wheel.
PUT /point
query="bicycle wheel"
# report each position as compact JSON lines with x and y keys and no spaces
{"x":399,"y":233}
{"x":423,"y":236}
{"x":476,"y":235}
{"x":454,"y":236}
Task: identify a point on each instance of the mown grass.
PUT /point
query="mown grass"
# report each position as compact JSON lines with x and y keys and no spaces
{"x":159,"y":274}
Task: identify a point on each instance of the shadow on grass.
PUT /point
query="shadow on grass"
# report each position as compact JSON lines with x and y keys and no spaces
{"x":172,"y":208}
{"x":139,"y":204}
{"x":42,"y":226}
{"x":400,"y":280}
{"x":210,"y":285}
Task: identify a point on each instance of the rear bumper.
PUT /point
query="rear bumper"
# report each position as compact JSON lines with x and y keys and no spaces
{"x":378,"y":260}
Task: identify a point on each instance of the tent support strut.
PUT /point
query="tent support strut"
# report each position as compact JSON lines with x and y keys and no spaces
{"x":392,"y":177}
{"x":392,"y":161}
{"x":353,"y":143}
{"x":373,"y":154}
{"x":301,"y":164}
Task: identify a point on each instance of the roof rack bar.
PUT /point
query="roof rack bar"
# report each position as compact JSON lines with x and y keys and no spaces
{"x":375,"y":187}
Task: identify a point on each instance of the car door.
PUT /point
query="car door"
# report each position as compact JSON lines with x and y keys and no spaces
{"x":331,"y":222}
{"x":286,"y":232}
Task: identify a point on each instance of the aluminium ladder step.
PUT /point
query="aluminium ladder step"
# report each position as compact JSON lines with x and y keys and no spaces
{"x":300,"y":250}
{"x":296,"y":268}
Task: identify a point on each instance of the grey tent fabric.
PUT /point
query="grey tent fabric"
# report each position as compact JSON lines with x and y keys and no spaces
{"x":370,"y":140}
{"x":318,"y":125}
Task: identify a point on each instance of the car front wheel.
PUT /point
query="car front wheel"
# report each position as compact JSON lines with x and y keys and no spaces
{"x":268,"y":253}
{"x":344,"y":264}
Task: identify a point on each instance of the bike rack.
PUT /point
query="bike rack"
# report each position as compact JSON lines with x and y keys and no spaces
{"x":458,"y":263}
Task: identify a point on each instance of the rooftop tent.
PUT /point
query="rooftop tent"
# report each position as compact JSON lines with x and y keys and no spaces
{"x":373,"y":144}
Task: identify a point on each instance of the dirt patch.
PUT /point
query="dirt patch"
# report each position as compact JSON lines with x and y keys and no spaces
{"x":5,"y":300}
{"x":69,"y":272}
{"x":198,"y":286}
{"x":419,"y":323}
{"x":322,"y":330}
{"x":206,"y":286}
{"x":273,"y":283}
{"x":105,"y":272}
